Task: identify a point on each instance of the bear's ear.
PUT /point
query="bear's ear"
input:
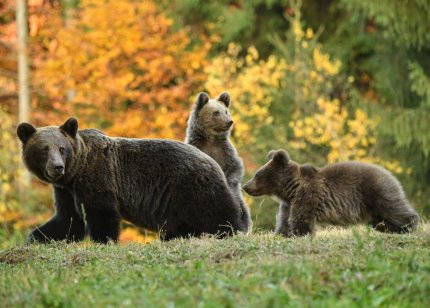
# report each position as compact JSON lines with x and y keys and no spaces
{"x":270,"y":154}
{"x":280,"y":157}
{"x":307,"y":170}
{"x":25,"y":131}
{"x":224,"y":98}
{"x":70,"y":127}
{"x":201,"y":100}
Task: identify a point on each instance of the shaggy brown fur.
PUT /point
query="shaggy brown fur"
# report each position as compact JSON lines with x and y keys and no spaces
{"x":209,"y":128}
{"x":340,"y":194}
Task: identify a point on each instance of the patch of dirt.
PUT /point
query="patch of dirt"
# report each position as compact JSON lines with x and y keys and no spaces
{"x":16,"y":255}
{"x":79,"y":258}
{"x":226,"y":255}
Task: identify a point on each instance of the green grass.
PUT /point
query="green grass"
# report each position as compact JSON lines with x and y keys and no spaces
{"x":355,"y":267}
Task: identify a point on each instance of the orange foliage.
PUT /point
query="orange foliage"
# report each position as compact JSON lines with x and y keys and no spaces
{"x":40,"y":12}
{"x":119,"y":65}
{"x":132,"y":235}
{"x":8,"y":61}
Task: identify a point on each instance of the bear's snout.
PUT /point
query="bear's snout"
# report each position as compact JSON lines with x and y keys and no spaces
{"x":55,"y":168}
{"x":250,"y":188}
{"x":227,"y":125}
{"x":59,"y":169}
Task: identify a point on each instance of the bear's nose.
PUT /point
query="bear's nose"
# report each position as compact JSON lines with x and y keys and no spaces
{"x":59,"y":169}
{"x":230,"y":123}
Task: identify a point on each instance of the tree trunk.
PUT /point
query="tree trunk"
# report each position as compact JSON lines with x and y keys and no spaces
{"x":23,"y":70}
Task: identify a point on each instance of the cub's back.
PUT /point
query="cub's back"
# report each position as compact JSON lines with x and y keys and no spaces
{"x":345,"y":202}
{"x":366,"y":181}
{"x":356,"y":173}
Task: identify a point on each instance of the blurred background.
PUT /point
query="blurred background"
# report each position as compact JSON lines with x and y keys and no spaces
{"x":328,"y":80}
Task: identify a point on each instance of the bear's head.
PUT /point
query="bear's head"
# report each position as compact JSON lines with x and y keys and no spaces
{"x":48,"y":151}
{"x":212,"y":116}
{"x":272,"y":177}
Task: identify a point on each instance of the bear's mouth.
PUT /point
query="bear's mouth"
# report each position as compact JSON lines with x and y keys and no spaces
{"x":250,"y":191}
{"x":223,"y":129}
{"x":53,"y":177}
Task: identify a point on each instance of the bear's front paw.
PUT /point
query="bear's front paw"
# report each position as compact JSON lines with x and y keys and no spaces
{"x":282,"y":231}
{"x":36,"y":236}
{"x":30,"y":239}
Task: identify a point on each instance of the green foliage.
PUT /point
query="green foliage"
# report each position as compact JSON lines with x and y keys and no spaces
{"x":337,"y":268}
{"x":409,"y":128}
{"x":420,"y":83}
{"x":248,"y":23}
{"x":400,"y":36}
{"x":406,"y":24}
{"x":385,"y":45}
{"x":327,"y":120}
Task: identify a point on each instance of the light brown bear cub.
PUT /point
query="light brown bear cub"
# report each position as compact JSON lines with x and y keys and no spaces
{"x":340,"y":194}
{"x":209,"y":128}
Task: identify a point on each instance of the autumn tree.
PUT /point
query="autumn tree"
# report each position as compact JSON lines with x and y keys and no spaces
{"x":254,"y":85}
{"x":119,"y":65}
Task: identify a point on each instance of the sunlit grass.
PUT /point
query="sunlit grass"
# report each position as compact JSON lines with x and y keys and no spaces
{"x":336,"y":267}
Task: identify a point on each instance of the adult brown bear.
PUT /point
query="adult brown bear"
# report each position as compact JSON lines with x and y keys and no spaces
{"x":157,"y":184}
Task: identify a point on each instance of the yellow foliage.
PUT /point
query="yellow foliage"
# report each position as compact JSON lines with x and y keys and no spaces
{"x":251,"y":84}
{"x":347,"y":136}
{"x":322,"y":62}
{"x":320,"y":123}
{"x":9,"y":170}
{"x":297,"y":30}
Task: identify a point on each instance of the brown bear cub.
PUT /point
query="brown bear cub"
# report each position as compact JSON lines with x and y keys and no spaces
{"x":158,"y":184}
{"x":209,"y":128}
{"x":340,"y":194}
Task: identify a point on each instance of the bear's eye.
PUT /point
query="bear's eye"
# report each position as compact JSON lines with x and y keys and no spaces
{"x":216,"y":113}
{"x":226,"y":112}
{"x":61,"y":150}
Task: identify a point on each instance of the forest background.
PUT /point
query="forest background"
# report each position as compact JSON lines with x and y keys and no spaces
{"x":329,"y":81}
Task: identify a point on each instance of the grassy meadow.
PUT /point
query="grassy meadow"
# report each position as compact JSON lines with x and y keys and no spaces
{"x":354,"y":267}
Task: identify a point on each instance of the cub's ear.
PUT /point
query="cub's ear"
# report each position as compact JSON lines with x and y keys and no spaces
{"x":281,"y":157}
{"x":224,"y":98}
{"x":270,"y":154}
{"x":70,"y":127}
{"x":201,"y":100}
{"x":307,"y":170}
{"x":25,"y":131}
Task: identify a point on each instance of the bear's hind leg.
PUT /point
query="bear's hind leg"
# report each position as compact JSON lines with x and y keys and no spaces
{"x":384,"y":225}
{"x":389,"y":206}
{"x":398,"y":218}
{"x":65,"y":225}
